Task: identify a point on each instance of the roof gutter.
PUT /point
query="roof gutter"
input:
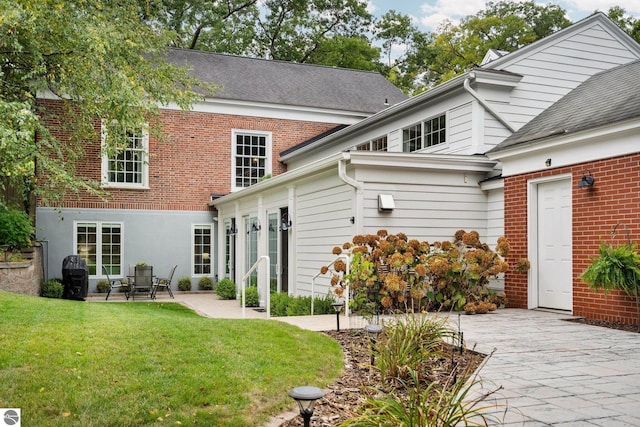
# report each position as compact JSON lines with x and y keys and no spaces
{"x":484,"y":102}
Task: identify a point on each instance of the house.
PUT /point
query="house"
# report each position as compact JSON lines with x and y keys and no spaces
{"x":571,"y":181}
{"x":158,"y":211}
{"x":417,"y":167}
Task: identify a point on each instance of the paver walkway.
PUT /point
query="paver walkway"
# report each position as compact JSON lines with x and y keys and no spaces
{"x":552,"y":372}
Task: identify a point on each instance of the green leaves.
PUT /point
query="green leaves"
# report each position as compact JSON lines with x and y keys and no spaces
{"x":616,"y":267}
{"x":100,"y":61}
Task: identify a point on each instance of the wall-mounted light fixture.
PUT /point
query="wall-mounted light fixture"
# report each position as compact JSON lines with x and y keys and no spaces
{"x":586,"y":181}
{"x":255,"y":227}
{"x":352,"y":220}
{"x":232,"y":231}
{"x":286,"y":222}
{"x":547,"y":162}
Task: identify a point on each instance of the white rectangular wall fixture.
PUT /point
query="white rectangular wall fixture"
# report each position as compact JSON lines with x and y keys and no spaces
{"x":386,"y":203}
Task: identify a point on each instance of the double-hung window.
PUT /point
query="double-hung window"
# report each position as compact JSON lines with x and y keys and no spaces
{"x":202,"y":250}
{"x":425,"y":134}
{"x":126,"y":165}
{"x":251,"y":157}
{"x":99,"y":244}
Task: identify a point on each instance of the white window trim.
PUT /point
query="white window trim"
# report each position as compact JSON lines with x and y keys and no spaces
{"x":269,"y":160}
{"x":99,"y":273}
{"x":104,"y":175}
{"x":193,"y":254}
{"x":422,"y":133}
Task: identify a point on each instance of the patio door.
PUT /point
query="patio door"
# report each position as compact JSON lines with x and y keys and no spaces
{"x":279,"y":250}
{"x":554,"y":237}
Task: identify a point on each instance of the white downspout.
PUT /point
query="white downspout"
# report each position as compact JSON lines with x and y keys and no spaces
{"x":357,"y":185}
{"x":484,"y":102}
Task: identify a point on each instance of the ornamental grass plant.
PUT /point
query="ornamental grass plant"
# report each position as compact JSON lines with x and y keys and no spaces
{"x":72,"y":363}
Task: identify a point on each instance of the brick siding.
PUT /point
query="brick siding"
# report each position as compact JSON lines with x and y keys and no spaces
{"x":615,"y":197}
{"x":191,"y":162}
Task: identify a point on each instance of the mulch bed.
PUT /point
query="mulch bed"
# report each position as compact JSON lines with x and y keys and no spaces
{"x":345,"y":396}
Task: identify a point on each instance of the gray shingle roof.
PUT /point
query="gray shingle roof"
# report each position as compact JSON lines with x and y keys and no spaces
{"x":277,"y":82}
{"x":607,"y":97}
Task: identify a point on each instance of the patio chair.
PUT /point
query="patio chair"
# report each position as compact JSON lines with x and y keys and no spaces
{"x":143,"y":280}
{"x":115,"y":284}
{"x":164,"y":283}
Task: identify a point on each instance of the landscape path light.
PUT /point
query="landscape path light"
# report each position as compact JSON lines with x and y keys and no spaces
{"x":338,"y":306}
{"x":306,"y":396}
{"x":373,"y":331}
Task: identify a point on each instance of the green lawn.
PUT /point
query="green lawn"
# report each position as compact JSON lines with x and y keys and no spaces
{"x":95,"y":364}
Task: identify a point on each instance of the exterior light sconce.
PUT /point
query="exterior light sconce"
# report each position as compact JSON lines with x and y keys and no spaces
{"x":232,"y":231}
{"x":286,"y":222}
{"x":586,"y":182}
{"x":306,"y":397}
{"x":352,"y":220}
{"x":547,"y":162}
{"x":255,"y":227}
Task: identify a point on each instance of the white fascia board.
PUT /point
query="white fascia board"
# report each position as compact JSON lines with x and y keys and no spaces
{"x":282,"y":179}
{"x":273,"y":111}
{"x":257,"y":109}
{"x":450,"y":162}
{"x":608,"y":141}
{"x":505,"y":79}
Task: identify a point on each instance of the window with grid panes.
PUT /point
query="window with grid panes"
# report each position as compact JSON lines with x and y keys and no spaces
{"x":100,"y":244}
{"x":128,"y":166}
{"x":378,"y":144}
{"x":425,"y":134}
{"x":435,"y":131}
{"x":202,"y":250}
{"x":252,"y":158}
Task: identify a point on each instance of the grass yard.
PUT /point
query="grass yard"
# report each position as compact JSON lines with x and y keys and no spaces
{"x":78,"y":363}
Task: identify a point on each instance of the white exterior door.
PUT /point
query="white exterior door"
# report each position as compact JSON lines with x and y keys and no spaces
{"x":554,"y":245}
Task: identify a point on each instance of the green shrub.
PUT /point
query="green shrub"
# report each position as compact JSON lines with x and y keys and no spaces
{"x":226,"y":289}
{"x":16,"y":229}
{"x":283,"y":304}
{"x":251,"y":297}
{"x":279,"y":303}
{"x":52,"y":288}
{"x":103,"y":286}
{"x":205,"y":283}
{"x":184,"y":284}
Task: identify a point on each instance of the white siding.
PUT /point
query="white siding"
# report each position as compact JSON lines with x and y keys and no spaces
{"x":557,"y":68}
{"x":430,"y":205}
{"x":324,"y":207}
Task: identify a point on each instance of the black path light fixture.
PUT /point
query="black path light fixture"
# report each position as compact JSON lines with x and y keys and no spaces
{"x":338,"y":306}
{"x":586,"y":181}
{"x":306,"y":397}
{"x":373,"y":331}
